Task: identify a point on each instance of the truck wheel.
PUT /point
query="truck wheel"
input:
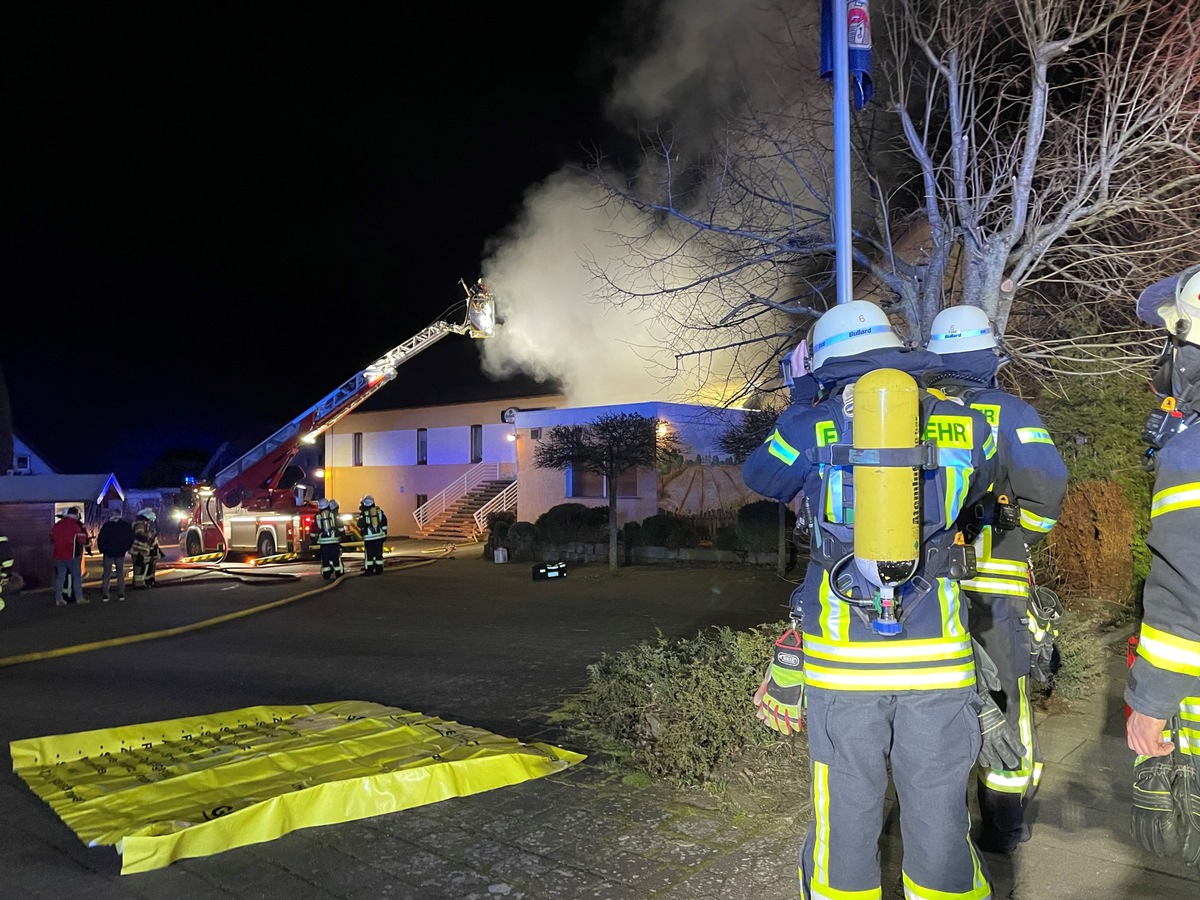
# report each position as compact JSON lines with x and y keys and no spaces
{"x":192,"y":546}
{"x":266,"y":544}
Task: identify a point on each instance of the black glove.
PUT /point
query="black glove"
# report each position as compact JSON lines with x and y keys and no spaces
{"x":1045,"y":613}
{"x":1002,"y":749}
{"x":1157,"y":823}
{"x":1186,"y":792}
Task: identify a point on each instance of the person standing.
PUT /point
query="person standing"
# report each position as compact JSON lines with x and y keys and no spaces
{"x":114,"y":541}
{"x":372,"y":523}
{"x":1006,"y":617}
{"x":145,"y":549}
{"x":70,"y":540}
{"x":889,"y":681}
{"x":329,"y":529}
{"x":6,"y":565}
{"x":1163,"y":691}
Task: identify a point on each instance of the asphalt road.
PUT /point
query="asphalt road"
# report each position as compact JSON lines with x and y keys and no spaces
{"x":458,"y":638}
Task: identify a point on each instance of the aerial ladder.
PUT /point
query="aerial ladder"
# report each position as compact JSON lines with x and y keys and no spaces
{"x":250,"y":508}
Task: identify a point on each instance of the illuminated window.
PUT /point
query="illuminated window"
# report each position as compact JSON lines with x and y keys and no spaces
{"x":422,"y":446}
{"x":356,"y":455}
{"x":590,"y":484}
{"x":476,"y":443}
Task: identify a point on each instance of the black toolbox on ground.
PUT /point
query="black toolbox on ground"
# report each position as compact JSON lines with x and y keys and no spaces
{"x":549,"y":570}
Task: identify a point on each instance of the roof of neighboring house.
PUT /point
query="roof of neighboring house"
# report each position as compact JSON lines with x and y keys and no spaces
{"x":59,"y":488}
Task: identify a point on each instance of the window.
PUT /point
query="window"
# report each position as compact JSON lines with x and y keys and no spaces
{"x":21,"y":463}
{"x":535,"y":434}
{"x":422,"y":446}
{"x":476,"y":443}
{"x":589,"y":484}
{"x":422,"y":499}
{"x":356,"y":456}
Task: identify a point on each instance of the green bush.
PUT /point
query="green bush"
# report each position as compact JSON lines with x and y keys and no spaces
{"x":574,"y":522}
{"x":758,"y":526}
{"x":631,"y":533}
{"x":497,"y":533}
{"x":520,"y":541}
{"x":676,"y":709}
{"x":726,"y":538}
{"x":666,"y":530}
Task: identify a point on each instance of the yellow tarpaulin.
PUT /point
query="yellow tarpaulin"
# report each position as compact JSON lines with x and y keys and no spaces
{"x":169,"y":790}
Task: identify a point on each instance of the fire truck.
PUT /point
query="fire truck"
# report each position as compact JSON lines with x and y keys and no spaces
{"x":256,"y":505}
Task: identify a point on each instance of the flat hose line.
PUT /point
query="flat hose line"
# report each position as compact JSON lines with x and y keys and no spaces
{"x":180,"y":629}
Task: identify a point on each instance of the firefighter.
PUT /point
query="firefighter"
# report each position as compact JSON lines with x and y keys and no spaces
{"x":329,"y":529}
{"x":1163,"y":692}
{"x":1011,"y":622}
{"x":372,"y":523}
{"x":887,"y":684}
{"x":6,"y":565}
{"x":145,"y":551}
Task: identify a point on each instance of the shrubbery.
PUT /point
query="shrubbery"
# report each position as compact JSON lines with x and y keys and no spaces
{"x":569,"y":522}
{"x":758,"y":526}
{"x":676,"y":709}
{"x":666,"y":530}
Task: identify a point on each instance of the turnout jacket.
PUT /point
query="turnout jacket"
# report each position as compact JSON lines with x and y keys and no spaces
{"x":841,"y":650}
{"x":1031,"y":473}
{"x":328,"y":528}
{"x":372,"y":522}
{"x":1166,"y":672}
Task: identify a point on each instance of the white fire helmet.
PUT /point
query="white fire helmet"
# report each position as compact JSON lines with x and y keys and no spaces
{"x":322,"y":503}
{"x":961,"y":329}
{"x":333,"y":504}
{"x":367,"y":502}
{"x":148,"y":514}
{"x":850,"y":328}
{"x":1174,"y":304}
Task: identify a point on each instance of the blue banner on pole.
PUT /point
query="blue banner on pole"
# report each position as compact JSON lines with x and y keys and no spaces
{"x":858,"y":20}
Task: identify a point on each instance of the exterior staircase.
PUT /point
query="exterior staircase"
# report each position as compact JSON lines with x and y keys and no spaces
{"x":457,"y":523}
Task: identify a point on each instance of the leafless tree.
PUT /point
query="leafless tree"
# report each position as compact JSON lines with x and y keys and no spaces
{"x":1031,"y":157}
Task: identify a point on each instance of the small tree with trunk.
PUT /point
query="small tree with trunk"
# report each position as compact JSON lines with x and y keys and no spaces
{"x":609,"y":446}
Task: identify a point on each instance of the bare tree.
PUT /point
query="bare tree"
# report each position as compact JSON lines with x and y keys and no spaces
{"x":609,"y":446}
{"x":1031,"y":157}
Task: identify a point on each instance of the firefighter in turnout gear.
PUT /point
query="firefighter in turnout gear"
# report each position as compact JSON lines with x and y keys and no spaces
{"x":329,"y":529}
{"x":888,"y":663}
{"x":6,"y":565}
{"x":1023,"y":506}
{"x":1163,"y":692}
{"x":372,"y":523}
{"x":145,"y":551}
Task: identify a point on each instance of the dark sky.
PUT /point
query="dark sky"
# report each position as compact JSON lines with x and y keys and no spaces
{"x":213,"y":214}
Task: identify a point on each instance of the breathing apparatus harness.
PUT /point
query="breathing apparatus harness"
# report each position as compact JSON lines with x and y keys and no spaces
{"x":879,"y":527}
{"x":1168,"y":420}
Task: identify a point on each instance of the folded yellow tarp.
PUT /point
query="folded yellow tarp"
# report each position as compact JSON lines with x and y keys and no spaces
{"x":170,"y":790}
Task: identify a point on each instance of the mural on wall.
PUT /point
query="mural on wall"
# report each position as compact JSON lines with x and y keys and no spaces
{"x":703,"y":480}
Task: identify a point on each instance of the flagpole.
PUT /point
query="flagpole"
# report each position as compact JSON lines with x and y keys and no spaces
{"x":843,"y":260}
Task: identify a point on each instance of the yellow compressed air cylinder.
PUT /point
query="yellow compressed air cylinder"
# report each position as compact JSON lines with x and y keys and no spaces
{"x":887,"y":499}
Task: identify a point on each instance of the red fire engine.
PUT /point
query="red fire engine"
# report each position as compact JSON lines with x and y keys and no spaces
{"x":249,"y":508}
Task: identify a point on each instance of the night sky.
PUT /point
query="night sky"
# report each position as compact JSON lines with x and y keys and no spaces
{"x":213,"y":214}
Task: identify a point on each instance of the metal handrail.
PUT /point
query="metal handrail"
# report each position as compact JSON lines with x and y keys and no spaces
{"x":440,"y":503}
{"x":505,"y":500}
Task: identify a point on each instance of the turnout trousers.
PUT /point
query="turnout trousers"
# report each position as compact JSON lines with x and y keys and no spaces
{"x":331,"y":561}
{"x":931,"y":740}
{"x":373,"y":556}
{"x":1001,"y":624}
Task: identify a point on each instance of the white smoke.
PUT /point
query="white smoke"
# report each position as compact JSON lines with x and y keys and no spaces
{"x":544,"y":268}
